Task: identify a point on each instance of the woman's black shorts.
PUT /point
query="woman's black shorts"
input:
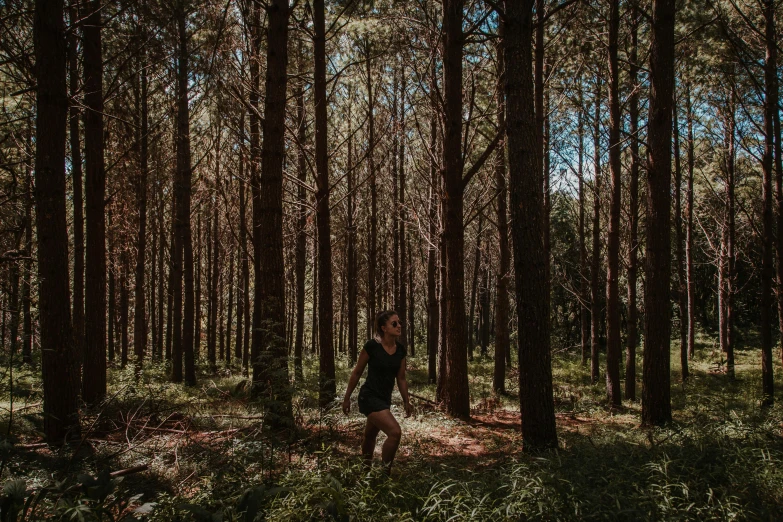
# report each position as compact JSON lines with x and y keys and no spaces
{"x":369,"y":402}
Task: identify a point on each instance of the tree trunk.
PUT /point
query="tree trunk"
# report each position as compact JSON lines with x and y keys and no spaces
{"x":372,"y":257}
{"x":395,"y":214}
{"x":112,"y":291}
{"x":214,"y":277}
{"x":535,"y":365}
{"x":433,"y":311}
{"x":656,"y":389}
{"x":327,"y":385}
{"x":442,"y":303}
{"x":402,"y":305}
{"x":678,"y":238}
{"x":198,"y":286}
{"x":258,"y":366}
{"x":411,"y":330}
{"x":502,"y":344}
{"x":139,"y":315}
{"x":770,"y":108}
{"x":613,"y":340}
{"x":584,"y":315}
{"x":301,"y":222}
{"x":243,"y":316}
{"x":269,"y":334}
{"x":220,"y":315}
{"x":124,"y":297}
{"x":314,"y":316}
{"x":183,"y":351}
{"x":170,"y":290}
{"x":27,"y":320}
{"x":595,"y":264}
{"x":455,"y":392}
{"x":689,"y":231}
{"x":154,"y":270}
{"x":13,"y":301}
{"x":779,"y":204}
{"x":230,"y":315}
{"x":485,"y":308}
{"x":730,"y":258}
{"x":78,"y":189}
{"x":59,"y":363}
{"x":633,"y":215}
{"x":474,"y":285}
{"x":353,"y":313}
{"x":94,"y":371}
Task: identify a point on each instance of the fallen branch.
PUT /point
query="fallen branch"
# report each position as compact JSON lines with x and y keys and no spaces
{"x":167,"y":430}
{"x":419,"y":397}
{"x":241,"y":417}
{"x":129,"y":471}
{"x":23,"y":408}
{"x":35,"y":445}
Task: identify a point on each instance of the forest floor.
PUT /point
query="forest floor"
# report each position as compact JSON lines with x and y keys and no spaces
{"x":201,"y":453}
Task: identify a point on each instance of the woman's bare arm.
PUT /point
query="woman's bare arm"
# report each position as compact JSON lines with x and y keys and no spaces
{"x":356,"y":374}
{"x":402,"y":384}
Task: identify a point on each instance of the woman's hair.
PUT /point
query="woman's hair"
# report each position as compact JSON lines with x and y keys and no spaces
{"x":381,"y":320}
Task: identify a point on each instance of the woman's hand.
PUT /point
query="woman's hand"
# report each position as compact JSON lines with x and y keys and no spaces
{"x":408,"y":409}
{"x":346,"y":405}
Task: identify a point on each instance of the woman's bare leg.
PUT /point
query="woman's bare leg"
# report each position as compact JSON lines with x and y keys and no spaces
{"x":368,"y":443}
{"x":386,"y":422}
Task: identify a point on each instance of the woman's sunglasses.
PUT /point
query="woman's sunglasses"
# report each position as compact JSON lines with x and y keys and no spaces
{"x":395,"y":324}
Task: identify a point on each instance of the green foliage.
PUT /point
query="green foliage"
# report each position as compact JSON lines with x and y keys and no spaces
{"x":722,"y":458}
{"x":91,"y":499}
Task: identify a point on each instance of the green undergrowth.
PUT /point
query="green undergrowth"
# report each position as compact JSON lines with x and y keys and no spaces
{"x":210,"y":458}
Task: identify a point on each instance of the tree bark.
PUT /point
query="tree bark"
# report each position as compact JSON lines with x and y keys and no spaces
{"x":656,"y":389}
{"x":198,"y":270}
{"x":124,"y":297}
{"x":112,"y":323}
{"x":595,"y":263}
{"x":402,"y":306}
{"x":411,"y":329}
{"x":327,"y":384}
{"x":139,"y":315}
{"x":94,"y":370}
{"x":689,"y":230}
{"x":214,"y":276}
{"x":269,"y":347}
{"x":258,"y":366}
{"x":230,"y":315}
{"x":584,"y":315}
{"x":613,"y":340}
{"x":78,"y":188}
{"x":353,"y":312}
{"x":770,"y":108}
{"x":633,"y":215}
{"x":455,"y":392}
{"x":474,"y":285}
{"x":678,"y":238}
{"x":183,"y":351}
{"x":535,"y":365}
{"x":433,"y":310}
{"x":27,"y":319}
{"x":502,"y":344}
{"x":301,"y":222}
{"x":484,"y":307}
{"x":779,"y":203}
{"x":372,"y":262}
{"x":730,"y":258}
{"x":59,"y":363}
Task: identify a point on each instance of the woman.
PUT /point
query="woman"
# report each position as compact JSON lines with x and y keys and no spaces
{"x":386,"y":358}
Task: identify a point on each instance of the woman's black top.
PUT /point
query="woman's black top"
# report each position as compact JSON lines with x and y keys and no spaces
{"x":375,"y":394}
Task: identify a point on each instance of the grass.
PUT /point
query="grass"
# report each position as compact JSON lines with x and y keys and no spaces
{"x":721,"y":458}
